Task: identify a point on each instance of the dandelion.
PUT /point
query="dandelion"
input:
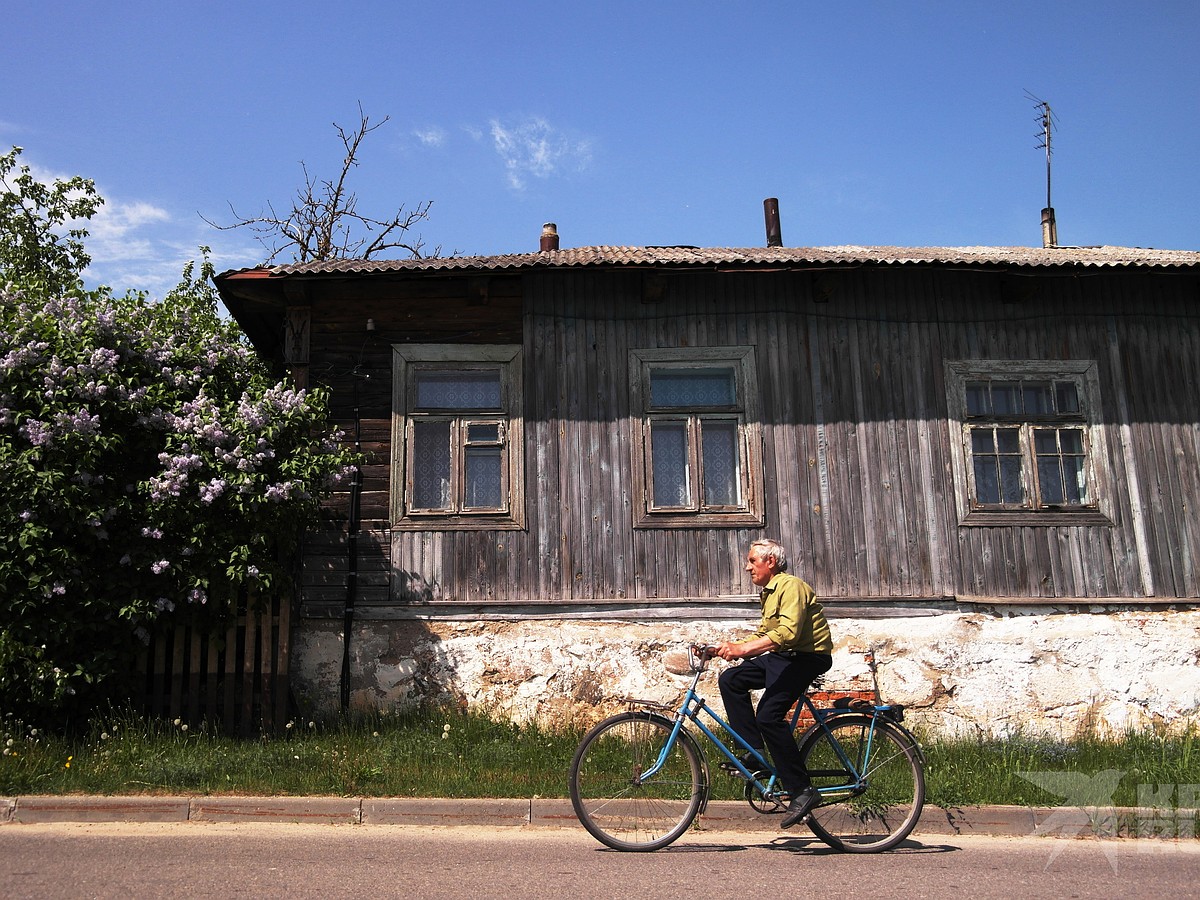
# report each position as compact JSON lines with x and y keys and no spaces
{"x":183,"y":727}
{"x":67,"y":764}
{"x":178,"y":722}
{"x":289,"y":725}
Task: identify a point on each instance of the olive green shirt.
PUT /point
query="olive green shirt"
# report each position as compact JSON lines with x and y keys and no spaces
{"x":791,"y":616}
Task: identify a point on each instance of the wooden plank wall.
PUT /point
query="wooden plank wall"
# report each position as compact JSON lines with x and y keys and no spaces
{"x":236,"y":679}
{"x":857,"y":449}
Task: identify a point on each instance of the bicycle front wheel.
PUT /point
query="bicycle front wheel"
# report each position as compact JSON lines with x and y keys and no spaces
{"x":884,"y":807}
{"x":615,"y":803}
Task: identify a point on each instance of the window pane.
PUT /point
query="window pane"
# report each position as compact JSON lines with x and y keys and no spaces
{"x":1050,"y":480}
{"x":983,"y":440}
{"x":431,"y":465}
{"x":483,"y":478}
{"x":1071,"y":440}
{"x":1010,"y":480}
{"x":1008,"y":440}
{"x":1006,"y":398}
{"x":1067,"y":396}
{"x":1037,"y":399}
{"x":987,"y":484}
{"x":690,"y":388}
{"x":722,"y":469}
{"x":977,"y":398}
{"x":1045,"y":440}
{"x":1074,"y":480}
{"x":469,"y":389}
{"x":1060,"y":461}
{"x":483,"y":432}
{"x":669,"y":458}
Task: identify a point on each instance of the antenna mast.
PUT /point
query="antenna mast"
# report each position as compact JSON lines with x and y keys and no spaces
{"x":1046,"y":122}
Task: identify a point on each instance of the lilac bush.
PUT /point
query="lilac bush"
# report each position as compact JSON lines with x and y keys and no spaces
{"x":149,"y":463}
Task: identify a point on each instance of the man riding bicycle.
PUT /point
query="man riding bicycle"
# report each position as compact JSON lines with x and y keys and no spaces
{"x":791,"y":647}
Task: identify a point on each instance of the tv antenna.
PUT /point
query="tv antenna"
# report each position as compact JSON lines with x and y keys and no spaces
{"x":1047,"y":122}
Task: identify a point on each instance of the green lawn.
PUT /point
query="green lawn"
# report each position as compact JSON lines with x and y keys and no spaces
{"x":452,"y":754}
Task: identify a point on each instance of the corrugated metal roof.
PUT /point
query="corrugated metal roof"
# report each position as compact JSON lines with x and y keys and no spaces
{"x":756,"y":258}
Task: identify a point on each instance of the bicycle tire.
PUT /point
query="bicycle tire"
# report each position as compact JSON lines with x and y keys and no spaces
{"x":885,"y":813}
{"x":612,"y":802}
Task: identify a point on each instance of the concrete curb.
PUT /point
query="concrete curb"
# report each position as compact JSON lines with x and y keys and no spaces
{"x":557,"y":813}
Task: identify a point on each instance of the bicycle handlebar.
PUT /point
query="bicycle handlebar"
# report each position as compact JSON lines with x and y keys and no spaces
{"x":702,"y":653}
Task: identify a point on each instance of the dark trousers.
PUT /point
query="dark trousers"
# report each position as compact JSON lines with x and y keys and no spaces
{"x":782,"y":679}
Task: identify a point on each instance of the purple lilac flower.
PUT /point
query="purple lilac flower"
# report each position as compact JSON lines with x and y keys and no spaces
{"x":214,"y":489}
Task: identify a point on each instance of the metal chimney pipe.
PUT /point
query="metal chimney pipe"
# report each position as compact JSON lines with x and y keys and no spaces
{"x":549,"y":237}
{"x":771,"y":214}
{"x":1049,"y":228}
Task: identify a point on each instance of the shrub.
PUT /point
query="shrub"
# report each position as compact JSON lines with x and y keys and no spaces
{"x":149,"y":463}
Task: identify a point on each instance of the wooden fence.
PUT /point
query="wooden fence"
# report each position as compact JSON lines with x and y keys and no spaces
{"x":237,"y":679}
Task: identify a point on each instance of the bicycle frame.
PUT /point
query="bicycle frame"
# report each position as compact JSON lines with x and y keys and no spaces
{"x":694,"y":706}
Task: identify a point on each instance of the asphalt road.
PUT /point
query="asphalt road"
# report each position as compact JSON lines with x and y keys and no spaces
{"x":299,"y":861}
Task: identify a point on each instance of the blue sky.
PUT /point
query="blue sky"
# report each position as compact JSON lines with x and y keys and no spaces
{"x":625,"y":123}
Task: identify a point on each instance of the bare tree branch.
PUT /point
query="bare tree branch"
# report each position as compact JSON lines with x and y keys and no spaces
{"x":324,"y":222}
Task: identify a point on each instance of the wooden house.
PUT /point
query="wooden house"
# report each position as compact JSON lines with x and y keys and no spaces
{"x":601,"y":431}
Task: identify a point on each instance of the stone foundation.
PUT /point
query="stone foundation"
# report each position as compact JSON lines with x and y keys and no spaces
{"x":965,"y":673}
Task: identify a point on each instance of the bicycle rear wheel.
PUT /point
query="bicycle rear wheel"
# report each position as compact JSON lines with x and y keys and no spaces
{"x":880,"y":815}
{"x":614,"y":803}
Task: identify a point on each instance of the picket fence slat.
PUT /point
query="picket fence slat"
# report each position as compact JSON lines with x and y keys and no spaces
{"x":235,"y":680}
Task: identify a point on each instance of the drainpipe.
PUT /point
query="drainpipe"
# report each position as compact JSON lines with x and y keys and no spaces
{"x":352,"y":551}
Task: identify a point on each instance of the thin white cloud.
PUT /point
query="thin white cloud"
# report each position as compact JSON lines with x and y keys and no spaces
{"x":433,"y":136}
{"x":533,"y":148}
{"x":116,"y":221}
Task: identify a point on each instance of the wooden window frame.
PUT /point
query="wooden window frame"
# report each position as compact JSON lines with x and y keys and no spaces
{"x":745,"y":412}
{"x":407,"y":359}
{"x":960,"y":424}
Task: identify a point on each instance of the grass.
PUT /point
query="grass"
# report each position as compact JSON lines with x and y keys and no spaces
{"x":971,"y":772}
{"x":434,"y":753}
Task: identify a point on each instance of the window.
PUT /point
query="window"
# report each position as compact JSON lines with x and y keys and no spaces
{"x":697,"y":453}
{"x":457,"y":437}
{"x":1028,"y":449}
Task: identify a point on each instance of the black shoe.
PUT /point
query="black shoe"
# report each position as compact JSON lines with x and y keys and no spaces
{"x":800,"y":807}
{"x":751,"y":764}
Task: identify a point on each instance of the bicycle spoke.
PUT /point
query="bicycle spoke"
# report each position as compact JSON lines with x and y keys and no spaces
{"x":881,"y":809}
{"x":613,"y":797}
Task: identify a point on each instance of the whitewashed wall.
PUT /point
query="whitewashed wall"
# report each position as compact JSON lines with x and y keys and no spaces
{"x":958,"y":673}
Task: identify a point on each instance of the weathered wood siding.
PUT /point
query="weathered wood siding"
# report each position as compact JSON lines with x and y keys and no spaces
{"x":858,"y":473}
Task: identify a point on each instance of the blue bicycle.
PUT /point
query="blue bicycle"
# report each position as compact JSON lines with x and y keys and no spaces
{"x":639,"y":779}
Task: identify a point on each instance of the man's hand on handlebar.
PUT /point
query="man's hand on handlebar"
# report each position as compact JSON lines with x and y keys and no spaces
{"x":728,"y":650}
